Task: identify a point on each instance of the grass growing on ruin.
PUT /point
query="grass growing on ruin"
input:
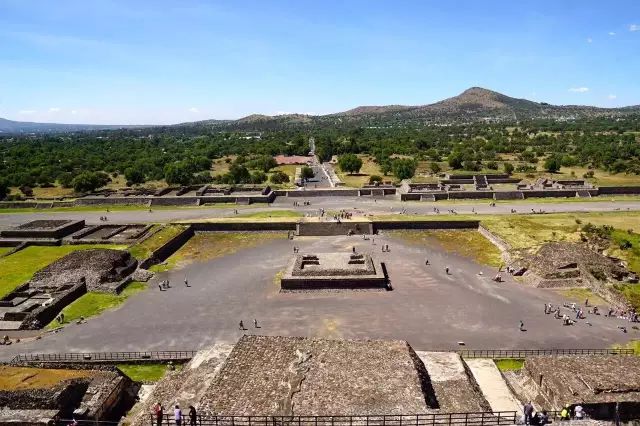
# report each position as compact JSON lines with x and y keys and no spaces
{"x":271,"y":214}
{"x":579,"y":295}
{"x":509,"y":364}
{"x":143,"y":372}
{"x":144,"y":249}
{"x":209,"y":246}
{"x":19,"y":267}
{"x":631,"y":292}
{"x":94,"y":303}
{"x":633,"y":344}
{"x":468,"y":243}
{"x":24,"y":378}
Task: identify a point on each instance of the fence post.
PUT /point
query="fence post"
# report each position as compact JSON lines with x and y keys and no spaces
{"x":499,"y":414}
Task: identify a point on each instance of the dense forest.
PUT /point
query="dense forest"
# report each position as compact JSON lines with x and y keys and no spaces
{"x":184,"y":154}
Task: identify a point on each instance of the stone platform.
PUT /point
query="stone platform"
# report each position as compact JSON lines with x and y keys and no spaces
{"x":333,"y":271}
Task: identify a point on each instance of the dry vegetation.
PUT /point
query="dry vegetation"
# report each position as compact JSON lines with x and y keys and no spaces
{"x":22,"y":378}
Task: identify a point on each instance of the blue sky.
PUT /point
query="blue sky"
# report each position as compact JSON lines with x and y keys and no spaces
{"x":143,"y":61}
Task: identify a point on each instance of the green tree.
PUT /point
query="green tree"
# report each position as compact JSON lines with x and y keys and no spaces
{"x":279,"y":177}
{"x":306,"y":172}
{"x":4,"y":189}
{"x":553,"y":163}
{"x":258,"y":177}
{"x":89,"y":181}
{"x":350,"y":163}
{"x":177,"y":174}
{"x":455,"y":160}
{"x":375,"y":179}
{"x":435,"y":167}
{"x":404,"y":168}
{"x":134,"y":176}
{"x":508,"y":168}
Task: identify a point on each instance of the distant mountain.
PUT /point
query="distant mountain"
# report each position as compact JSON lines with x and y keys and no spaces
{"x":473,"y":105}
{"x":12,"y":127}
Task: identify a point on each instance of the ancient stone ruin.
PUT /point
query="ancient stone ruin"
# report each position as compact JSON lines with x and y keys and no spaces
{"x":333,"y":271}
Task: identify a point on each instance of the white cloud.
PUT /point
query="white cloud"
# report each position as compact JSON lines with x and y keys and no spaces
{"x":589,"y":40}
{"x":194,"y":110}
{"x":612,"y":96}
{"x":611,"y":33}
{"x":634,"y":27}
{"x":27,"y":111}
{"x":54,"y":109}
{"x":74,"y":112}
{"x":579,"y":89}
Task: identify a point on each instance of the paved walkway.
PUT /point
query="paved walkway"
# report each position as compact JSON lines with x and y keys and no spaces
{"x":493,"y":386}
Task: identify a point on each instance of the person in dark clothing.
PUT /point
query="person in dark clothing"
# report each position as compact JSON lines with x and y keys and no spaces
{"x":192,"y":415}
{"x":528,"y":407}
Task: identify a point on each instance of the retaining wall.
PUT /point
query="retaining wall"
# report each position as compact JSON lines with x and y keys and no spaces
{"x":113,"y":201}
{"x":246,"y":226}
{"x":604,"y":190}
{"x":333,"y":228}
{"x":455,"y":195}
{"x":324,"y":193}
{"x":166,"y":250}
{"x":46,"y":314}
{"x":426,"y":224}
{"x":174,"y":201}
{"x":58,"y":232}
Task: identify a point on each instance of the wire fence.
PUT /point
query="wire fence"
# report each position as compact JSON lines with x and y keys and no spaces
{"x":470,"y":419}
{"x":105,"y":357}
{"x":523,"y":353}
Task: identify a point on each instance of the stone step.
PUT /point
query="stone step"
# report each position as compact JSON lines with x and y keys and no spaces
{"x":493,"y":386}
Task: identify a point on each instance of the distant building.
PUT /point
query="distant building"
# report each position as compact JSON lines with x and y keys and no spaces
{"x":292,"y":159}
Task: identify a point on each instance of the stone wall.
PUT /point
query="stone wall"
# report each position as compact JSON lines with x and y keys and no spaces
{"x":174,"y":201}
{"x":166,"y":250}
{"x":333,"y":228}
{"x":113,"y":201}
{"x":246,"y":226}
{"x":426,"y":224}
{"x":604,"y":190}
{"x":323,"y":193}
{"x":45,"y":314}
{"x":58,"y":232}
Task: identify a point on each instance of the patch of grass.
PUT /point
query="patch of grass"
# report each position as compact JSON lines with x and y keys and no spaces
{"x":208,"y":246}
{"x":468,"y":243}
{"x":144,"y":249}
{"x":579,"y":295}
{"x":369,"y":167}
{"x":633,"y":344}
{"x":94,"y":303}
{"x":269,"y":214}
{"x":509,"y":364}
{"x":631,"y":255}
{"x":4,"y":250}
{"x":23,"y":378}
{"x":631,"y":292}
{"x":19,"y":267}
{"x":143,"y":372}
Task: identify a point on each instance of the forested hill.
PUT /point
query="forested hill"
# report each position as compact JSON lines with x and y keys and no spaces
{"x":474,"y":105}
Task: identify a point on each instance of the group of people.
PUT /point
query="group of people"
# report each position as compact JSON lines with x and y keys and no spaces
{"x":166,"y":285}
{"x":304,"y":203}
{"x":242,"y":327}
{"x":542,"y":418}
{"x":178,"y":416}
{"x":103,"y":219}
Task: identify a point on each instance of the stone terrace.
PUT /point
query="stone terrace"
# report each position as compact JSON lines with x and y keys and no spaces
{"x":300,"y":376}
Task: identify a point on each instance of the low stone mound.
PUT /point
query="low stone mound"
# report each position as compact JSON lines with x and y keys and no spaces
{"x":563,"y":264}
{"x":98,"y":267}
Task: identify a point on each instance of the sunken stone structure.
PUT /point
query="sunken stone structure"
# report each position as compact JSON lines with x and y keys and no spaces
{"x":333,"y":271}
{"x":101,"y":269}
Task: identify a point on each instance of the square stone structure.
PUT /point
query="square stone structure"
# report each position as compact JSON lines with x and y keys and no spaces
{"x":44,"y":229}
{"x":269,"y":375}
{"x":333,"y":271}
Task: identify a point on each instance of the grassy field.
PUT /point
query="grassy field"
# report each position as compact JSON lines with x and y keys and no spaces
{"x":19,"y":267}
{"x":143,"y":372}
{"x":118,"y":208}
{"x":26,"y":378}
{"x":4,"y":250}
{"x":466,"y":243}
{"x":94,"y":303}
{"x":579,"y":295}
{"x":204,"y":247}
{"x":144,"y":249}
{"x":631,"y":255}
{"x":369,"y":167}
{"x":509,"y":364}
{"x":631,"y":292}
{"x":634,"y":344}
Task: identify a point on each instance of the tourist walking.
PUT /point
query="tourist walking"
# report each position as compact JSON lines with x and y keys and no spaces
{"x":521,"y":326}
{"x":177,"y":415}
{"x":255,"y":323}
{"x":241,"y":325}
{"x":158,"y":411}
{"x":528,"y":413}
{"x":186,"y":282}
{"x":192,"y":415}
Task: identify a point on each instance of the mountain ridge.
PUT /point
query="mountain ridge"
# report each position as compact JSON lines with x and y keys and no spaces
{"x":475,"y":104}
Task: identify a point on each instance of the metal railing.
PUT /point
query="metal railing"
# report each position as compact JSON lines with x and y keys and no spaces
{"x":470,"y":419}
{"x":523,"y":353}
{"x":105,"y":357}
{"x":165,"y":356}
